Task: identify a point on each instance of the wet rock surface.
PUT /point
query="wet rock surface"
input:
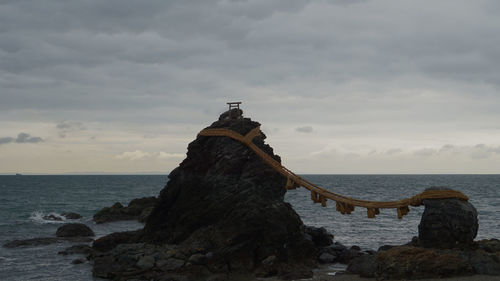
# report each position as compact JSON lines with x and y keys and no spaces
{"x":447,"y":223}
{"x":222,"y":212}
{"x":137,"y":209}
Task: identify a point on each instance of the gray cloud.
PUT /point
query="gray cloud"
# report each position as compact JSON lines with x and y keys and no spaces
{"x":65,"y":127}
{"x":304,"y":129}
{"x":21,"y":138}
{"x":6,"y":140}
{"x":26,"y":138}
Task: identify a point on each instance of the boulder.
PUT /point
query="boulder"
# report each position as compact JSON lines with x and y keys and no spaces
{"x":364,"y":266}
{"x":74,"y":230}
{"x":447,"y":223}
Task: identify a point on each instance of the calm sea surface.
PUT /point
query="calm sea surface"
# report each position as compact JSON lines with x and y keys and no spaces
{"x":24,"y":200}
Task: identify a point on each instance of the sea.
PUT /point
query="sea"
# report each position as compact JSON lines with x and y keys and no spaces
{"x":26,"y":199}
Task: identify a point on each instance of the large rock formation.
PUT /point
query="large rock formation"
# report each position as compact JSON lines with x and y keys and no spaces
{"x":447,"y":223}
{"x":223,"y":208}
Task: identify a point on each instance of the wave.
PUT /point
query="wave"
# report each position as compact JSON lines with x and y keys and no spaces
{"x":51,"y":217}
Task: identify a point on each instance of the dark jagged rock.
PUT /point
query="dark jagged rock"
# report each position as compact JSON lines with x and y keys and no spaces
{"x":320,"y":236}
{"x":224,"y":202}
{"x":447,"y":223}
{"x":74,"y":230}
{"x":110,"y":241}
{"x":137,"y":209}
{"x":346,"y":256}
{"x":40,"y":241}
{"x":234,"y":113}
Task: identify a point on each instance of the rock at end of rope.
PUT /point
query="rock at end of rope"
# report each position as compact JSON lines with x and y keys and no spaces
{"x":447,"y":223}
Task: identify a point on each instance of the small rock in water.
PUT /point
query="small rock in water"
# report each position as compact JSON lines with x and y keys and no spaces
{"x":77,"y":261}
{"x":72,"y":216}
{"x":74,"y":230}
{"x":447,"y":223}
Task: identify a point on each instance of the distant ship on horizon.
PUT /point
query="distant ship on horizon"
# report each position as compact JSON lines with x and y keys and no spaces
{"x":18,"y":174}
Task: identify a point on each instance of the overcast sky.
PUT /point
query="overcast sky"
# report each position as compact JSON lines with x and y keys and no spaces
{"x":340,"y":86}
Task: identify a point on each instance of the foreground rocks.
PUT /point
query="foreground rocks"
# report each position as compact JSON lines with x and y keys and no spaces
{"x":411,"y":262}
{"x":138,"y":209}
{"x":222,"y":212}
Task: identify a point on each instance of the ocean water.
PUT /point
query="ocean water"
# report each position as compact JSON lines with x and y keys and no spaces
{"x":24,"y":200}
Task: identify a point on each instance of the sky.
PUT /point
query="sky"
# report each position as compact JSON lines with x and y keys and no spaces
{"x":339,"y":86}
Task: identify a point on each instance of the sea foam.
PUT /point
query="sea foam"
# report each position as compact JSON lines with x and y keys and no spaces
{"x":42,"y":217}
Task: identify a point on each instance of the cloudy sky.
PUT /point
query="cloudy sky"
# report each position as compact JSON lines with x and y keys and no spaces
{"x":340,"y":86}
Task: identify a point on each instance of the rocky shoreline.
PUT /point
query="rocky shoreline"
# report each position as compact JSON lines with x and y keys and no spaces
{"x":222,"y":216}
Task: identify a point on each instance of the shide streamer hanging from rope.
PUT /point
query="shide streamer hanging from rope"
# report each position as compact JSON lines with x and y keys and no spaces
{"x":344,"y":204}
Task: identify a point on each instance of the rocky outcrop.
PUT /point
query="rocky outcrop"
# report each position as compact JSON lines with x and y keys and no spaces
{"x":223,"y":210}
{"x":447,"y":223}
{"x":74,"y":230}
{"x":137,"y":209}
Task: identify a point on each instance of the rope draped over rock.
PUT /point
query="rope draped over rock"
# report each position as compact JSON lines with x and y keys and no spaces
{"x":344,"y":204}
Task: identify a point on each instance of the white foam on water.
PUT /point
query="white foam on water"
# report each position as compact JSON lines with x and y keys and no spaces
{"x":41,"y":217}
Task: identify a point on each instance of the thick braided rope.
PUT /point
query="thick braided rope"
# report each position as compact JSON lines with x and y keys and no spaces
{"x":344,"y":204}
